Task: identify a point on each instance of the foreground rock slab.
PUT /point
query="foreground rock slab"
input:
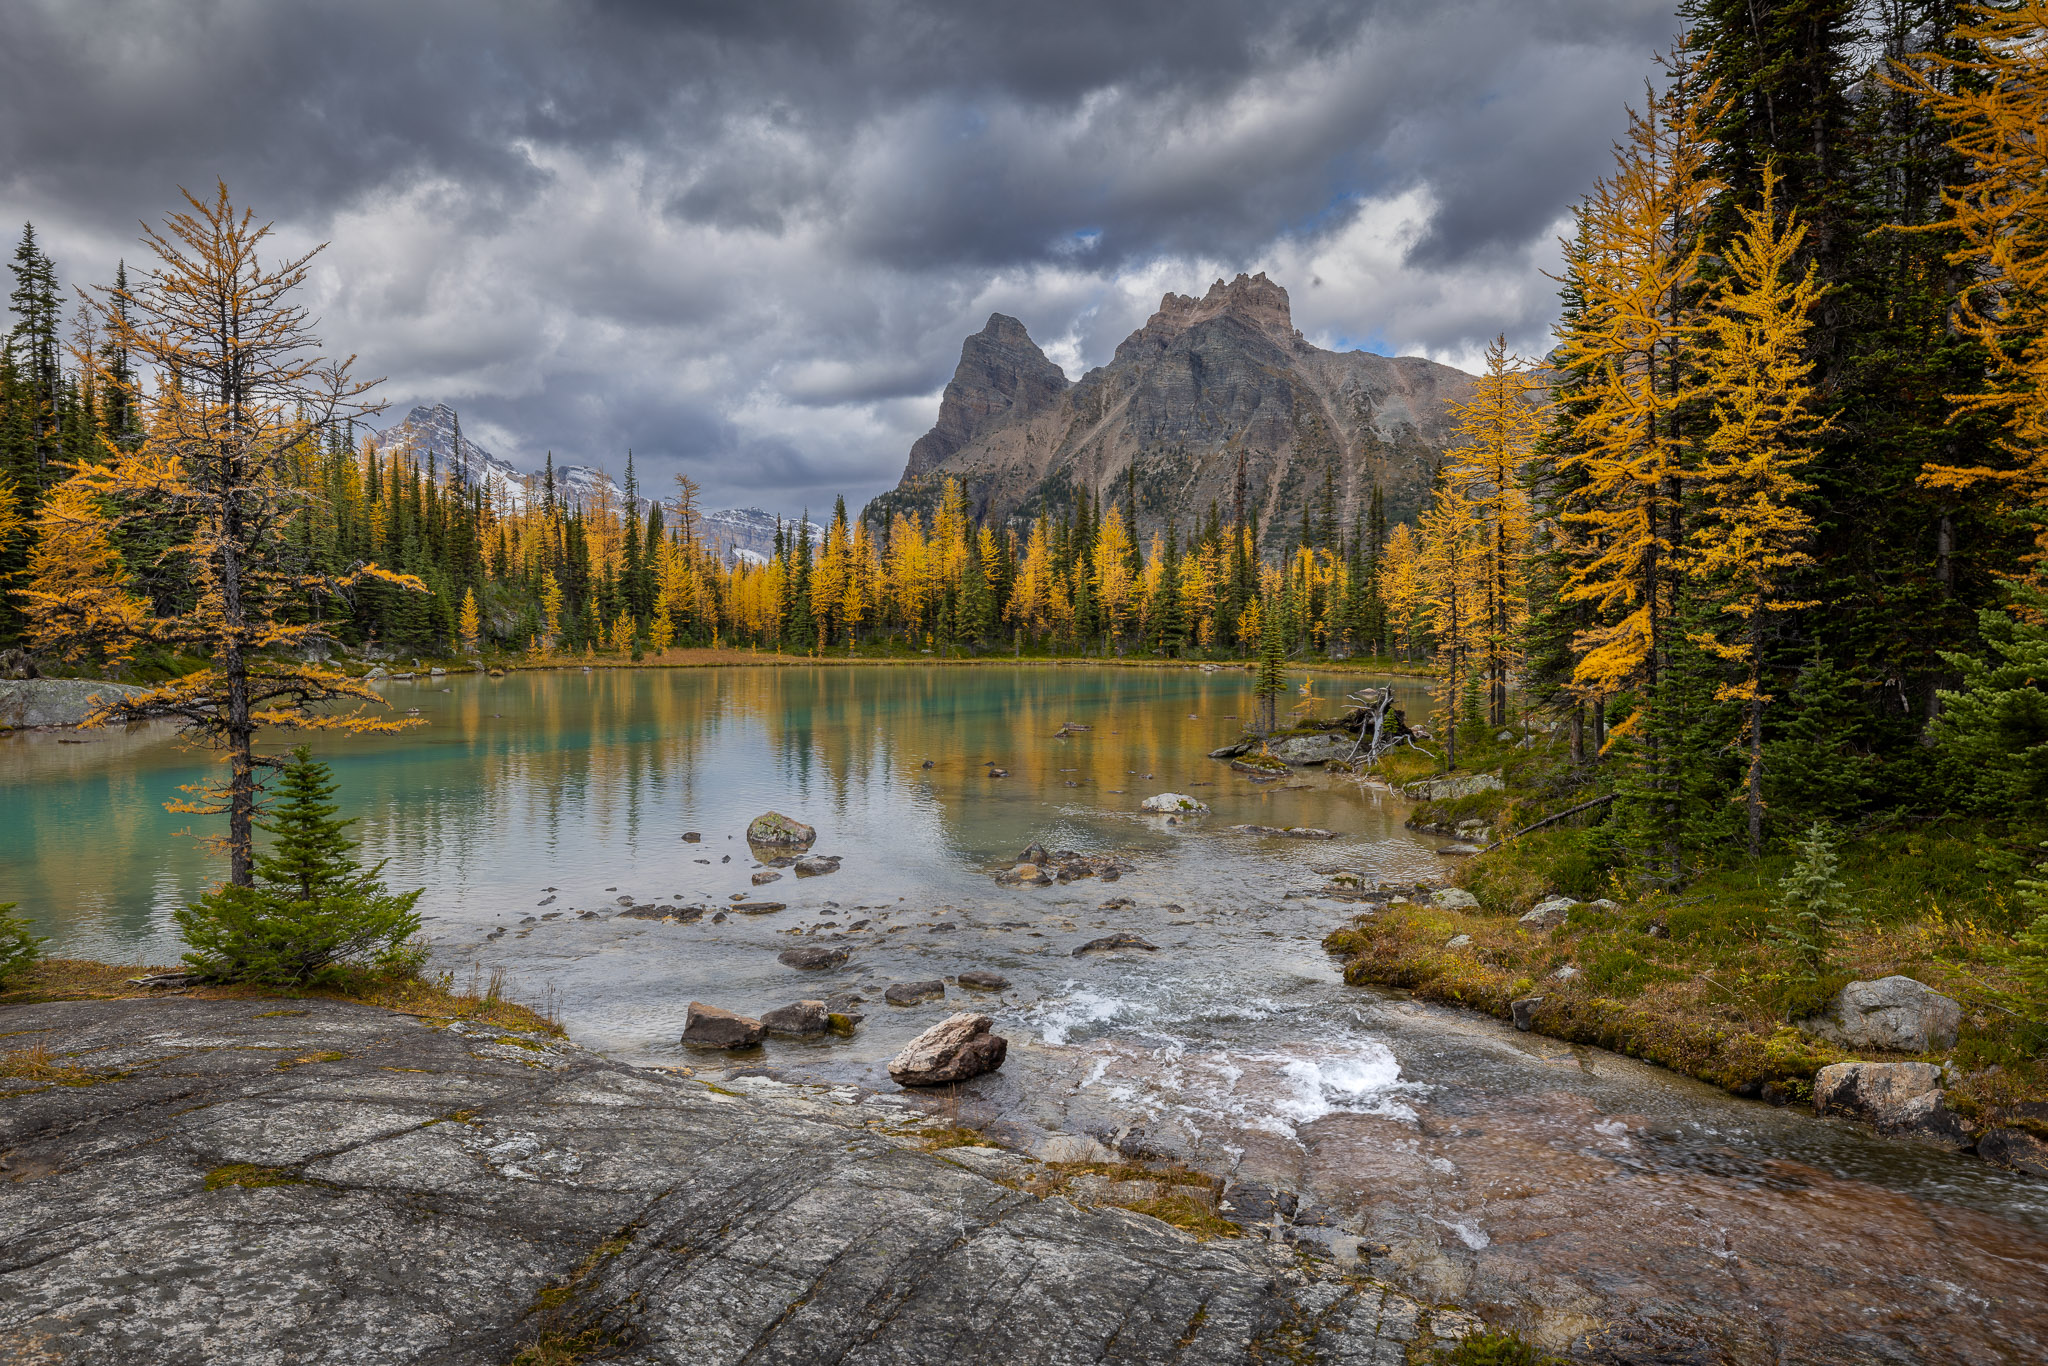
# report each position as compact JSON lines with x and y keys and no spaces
{"x":272,"y":1182}
{"x":954,"y":1049}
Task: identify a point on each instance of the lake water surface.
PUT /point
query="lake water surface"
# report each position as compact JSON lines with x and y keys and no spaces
{"x":1595,"y":1200}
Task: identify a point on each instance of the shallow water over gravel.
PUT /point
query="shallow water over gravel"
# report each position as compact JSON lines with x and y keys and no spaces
{"x":1583,"y":1195}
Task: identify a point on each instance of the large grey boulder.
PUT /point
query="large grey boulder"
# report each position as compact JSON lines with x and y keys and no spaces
{"x":1454,"y":899}
{"x":27,"y":702}
{"x":1301,"y":751}
{"x":1898,"y":1097}
{"x":1450,"y":789}
{"x":774,"y":828}
{"x":1548,"y":913}
{"x":1173,"y":801}
{"x":800,"y":1020}
{"x":1896,"y":1014}
{"x":954,"y":1049}
{"x":714,"y":1027}
{"x":812,"y":956}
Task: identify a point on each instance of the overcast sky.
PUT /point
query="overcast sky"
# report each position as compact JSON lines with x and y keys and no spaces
{"x":746,"y":238}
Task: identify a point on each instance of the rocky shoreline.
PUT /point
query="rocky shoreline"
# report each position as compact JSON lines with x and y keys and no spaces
{"x":270,"y":1181}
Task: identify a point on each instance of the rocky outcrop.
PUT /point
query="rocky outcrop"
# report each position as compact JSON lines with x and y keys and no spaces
{"x":29,"y":702}
{"x":1109,"y":943}
{"x":1002,"y":378}
{"x":1896,"y":1014}
{"x":800,"y":1020}
{"x":1901,"y":1098}
{"x":1302,"y":751}
{"x":1450,"y":789}
{"x":1204,"y":381}
{"x":955,"y":1049}
{"x":774,"y":830}
{"x":811,"y":957}
{"x":715,"y":1027}
{"x":464,"y":1195}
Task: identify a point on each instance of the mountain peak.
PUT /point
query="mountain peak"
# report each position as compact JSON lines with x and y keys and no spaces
{"x":1253,"y":298}
{"x":1002,"y":376}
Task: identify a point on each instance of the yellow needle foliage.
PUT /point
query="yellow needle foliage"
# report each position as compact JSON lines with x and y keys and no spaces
{"x":78,"y":600}
{"x":1499,"y":428}
{"x":246,"y":394}
{"x":1636,"y":264}
{"x":1999,"y":112}
{"x":1751,"y":533}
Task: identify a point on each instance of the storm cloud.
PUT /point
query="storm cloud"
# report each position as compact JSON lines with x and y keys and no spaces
{"x":745,"y":240}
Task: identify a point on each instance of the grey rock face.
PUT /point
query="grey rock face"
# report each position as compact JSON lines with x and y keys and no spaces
{"x":1524,"y":1011}
{"x":1173,"y":801}
{"x":816,"y":865}
{"x":1897,"y":1014}
{"x":26,"y":702}
{"x":432,"y":1184}
{"x":2015,"y":1148}
{"x":1454,"y":899}
{"x":1002,"y":377}
{"x":1897,"y":1097}
{"x":1548,"y":913}
{"x":714,"y":1027}
{"x":983,"y":979}
{"x":1204,"y":379}
{"x":914,"y":993}
{"x":1302,"y":751}
{"x":1122,"y":939}
{"x":812,"y":956}
{"x":1450,"y":789}
{"x":954,"y":1049}
{"x":802,"y":1020}
{"x":774,"y":828}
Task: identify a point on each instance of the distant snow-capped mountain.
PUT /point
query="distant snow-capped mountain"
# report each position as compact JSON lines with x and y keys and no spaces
{"x":431,"y":431}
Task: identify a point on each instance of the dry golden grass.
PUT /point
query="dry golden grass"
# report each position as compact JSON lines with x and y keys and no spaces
{"x":75,"y":979}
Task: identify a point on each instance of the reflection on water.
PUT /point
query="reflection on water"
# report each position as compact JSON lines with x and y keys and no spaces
{"x":1596,"y":1199}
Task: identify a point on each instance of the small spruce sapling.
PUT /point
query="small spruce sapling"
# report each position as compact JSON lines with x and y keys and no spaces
{"x":1813,"y":911}
{"x":314,"y":909}
{"x":1272,"y":675}
{"x":19,"y":949}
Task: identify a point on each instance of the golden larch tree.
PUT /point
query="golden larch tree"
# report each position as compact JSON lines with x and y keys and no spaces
{"x":469,"y":623}
{"x":1499,"y":427}
{"x":1752,"y":533}
{"x":242,"y":387}
{"x":79,"y":601}
{"x":1999,"y":114}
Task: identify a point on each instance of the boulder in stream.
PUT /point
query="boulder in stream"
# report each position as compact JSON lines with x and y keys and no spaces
{"x":1178,"y":802}
{"x":713,"y":1027}
{"x":811,"y":957}
{"x":1122,"y":939}
{"x":1896,"y":1014}
{"x":774,"y":828}
{"x":816,"y":865}
{"x":915,"y":993}
{"x":954,"y":1049}
{"x":984,"y":980}
{"x":800,"y":1020}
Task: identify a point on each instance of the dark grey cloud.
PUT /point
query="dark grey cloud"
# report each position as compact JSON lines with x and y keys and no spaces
{"x":746,"y":239}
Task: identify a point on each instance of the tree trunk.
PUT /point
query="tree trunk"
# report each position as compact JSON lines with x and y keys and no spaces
{"x":1578,"y":734}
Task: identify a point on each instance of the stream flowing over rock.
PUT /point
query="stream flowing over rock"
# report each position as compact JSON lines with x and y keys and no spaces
{"x":1896,"y":1014}
{"x":406,"y":1193}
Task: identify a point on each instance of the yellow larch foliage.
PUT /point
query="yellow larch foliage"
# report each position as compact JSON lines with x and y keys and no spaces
{"x":1635,"y":263}
{"x":1114,"y":583}
{"x":78,"y":602}
{"x":1751,"y":534}
{"x":469,"y":624}
{"x":1499,"y":428}
{"x":1998,"y":113}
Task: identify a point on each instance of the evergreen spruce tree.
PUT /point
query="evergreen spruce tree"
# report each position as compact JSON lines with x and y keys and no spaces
{"x":312,"y":910}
